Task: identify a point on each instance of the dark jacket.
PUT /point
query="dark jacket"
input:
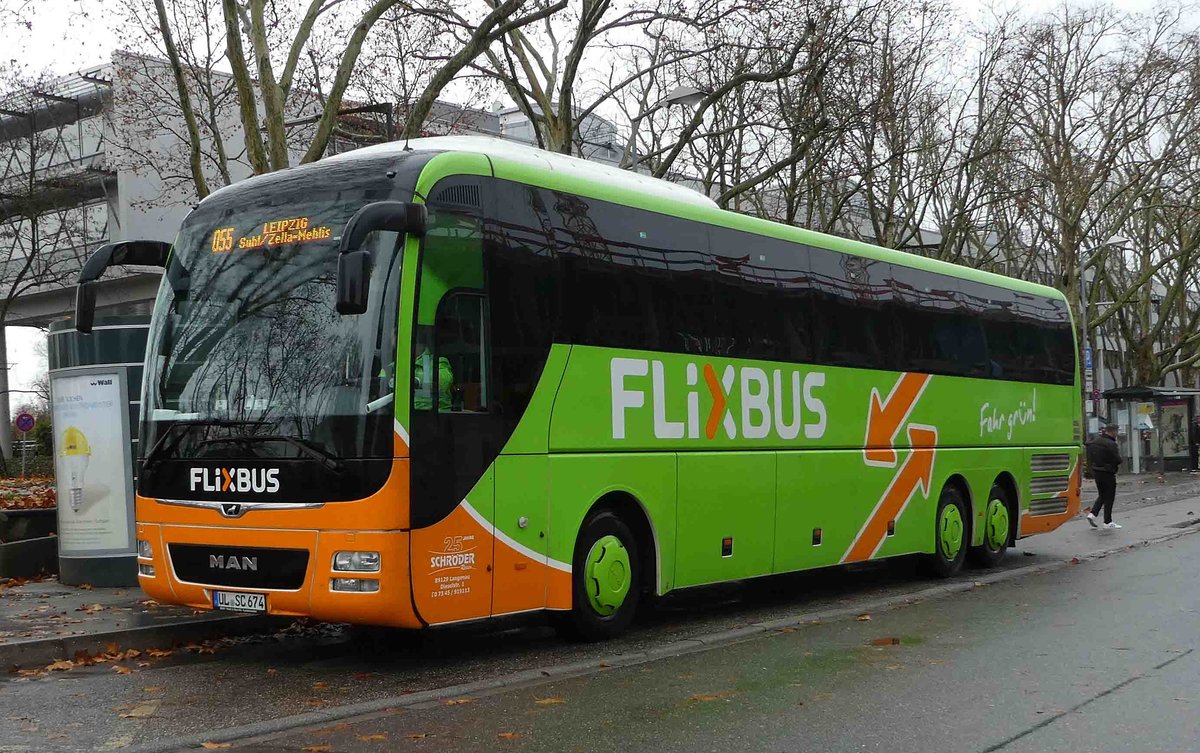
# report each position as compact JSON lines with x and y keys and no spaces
{"x":1103,"y":455}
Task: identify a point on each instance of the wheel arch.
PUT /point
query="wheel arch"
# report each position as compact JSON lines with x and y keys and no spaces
{"x":634,"y":514}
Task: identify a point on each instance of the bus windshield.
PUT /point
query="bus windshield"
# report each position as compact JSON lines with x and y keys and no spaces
{"x":248,"y":357}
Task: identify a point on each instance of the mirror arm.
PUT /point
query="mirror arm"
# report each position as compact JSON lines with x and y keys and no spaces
{"x":122,"y":253}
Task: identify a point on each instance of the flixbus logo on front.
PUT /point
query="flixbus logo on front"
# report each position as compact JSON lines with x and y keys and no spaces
{"x":256,"y":480}
{"x":779,"y":402}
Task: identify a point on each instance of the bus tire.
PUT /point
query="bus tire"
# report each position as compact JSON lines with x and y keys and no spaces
{"x":949,"y":534}
{"x":606,"y":579}
{"x":996,"y":529}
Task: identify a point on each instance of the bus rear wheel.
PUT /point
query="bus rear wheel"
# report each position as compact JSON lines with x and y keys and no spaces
{"x":606,"y":579}
{"x":996,"y":524}
{"x":950,"y":534}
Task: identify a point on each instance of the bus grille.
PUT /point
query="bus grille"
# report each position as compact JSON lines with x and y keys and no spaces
{"x":1049,"y":485}
{"x":1059,"y":461}
{"x":1054,"y":506}
{"x":239,"y":566}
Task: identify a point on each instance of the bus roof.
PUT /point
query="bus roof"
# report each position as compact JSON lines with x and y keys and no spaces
{"x":513,"y":151}
{"x":523,"y":163}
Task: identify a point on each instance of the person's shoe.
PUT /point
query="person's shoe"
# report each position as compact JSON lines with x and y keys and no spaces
{"x":1092,"y":521}
{"x":1112,"y":526}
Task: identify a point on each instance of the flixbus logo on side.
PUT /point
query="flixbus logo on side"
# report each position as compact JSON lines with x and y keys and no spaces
{"x":770,"y":402}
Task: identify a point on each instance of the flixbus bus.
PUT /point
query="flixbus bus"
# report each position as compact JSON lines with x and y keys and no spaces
{"x":456,"y":378}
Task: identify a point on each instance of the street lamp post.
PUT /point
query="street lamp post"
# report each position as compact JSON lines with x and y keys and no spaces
{"x":1089,"y":365}
{"x":687,"y":96}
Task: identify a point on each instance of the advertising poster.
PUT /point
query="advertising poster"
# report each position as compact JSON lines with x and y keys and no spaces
{"x":91,"y":462}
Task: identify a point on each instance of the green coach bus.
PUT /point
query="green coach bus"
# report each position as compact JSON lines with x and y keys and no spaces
{"x":458,"y":378}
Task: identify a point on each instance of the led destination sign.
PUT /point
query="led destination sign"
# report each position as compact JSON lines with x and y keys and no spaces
{"x":273,"y":233}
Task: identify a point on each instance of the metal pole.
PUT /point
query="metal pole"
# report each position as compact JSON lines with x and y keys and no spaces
{"x":1083,"y":337}
{"x":24,"y":450}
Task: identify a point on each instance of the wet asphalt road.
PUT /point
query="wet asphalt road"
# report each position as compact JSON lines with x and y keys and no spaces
{"x":1099,"y":657}
{"x":970,"y":671}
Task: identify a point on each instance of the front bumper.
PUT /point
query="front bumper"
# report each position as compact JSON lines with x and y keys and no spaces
{"x":391,"y":605}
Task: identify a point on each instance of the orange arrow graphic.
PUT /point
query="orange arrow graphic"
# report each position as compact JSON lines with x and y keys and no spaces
{"x":228,"y":480}
{"x":718,"y":407}
{"x":885,"y":418}
{"x":917,"y":471}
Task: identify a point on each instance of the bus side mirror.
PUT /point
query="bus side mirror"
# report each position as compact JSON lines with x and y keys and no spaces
{"x":120,"y":254}
{"x":354,"y":264}
{"x":353,"y":280}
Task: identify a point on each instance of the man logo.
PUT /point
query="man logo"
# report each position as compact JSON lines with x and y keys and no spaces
{"x":232,"y":511}
{"x":232,"y":562}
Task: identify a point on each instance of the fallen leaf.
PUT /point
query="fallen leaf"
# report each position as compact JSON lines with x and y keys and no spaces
{"x":159,"y":653}
{"x":710,"y":696}
{"x":85,"y":586}
{"x":459,"y":701}
{"x":320,"y":685}
{"x":885,"y":641}
{"x":209,"y":745}
{"x":317,"y":748}
{"x":370,"y":738}
{"x":62,"y":665}
{"x":417,"y":735}
{"x":111,"y":648}
{"x":509,"y":735}
{"x":864,"y":617}
{"x":142,"y":710}
{"x":152,"y":689}
{"x":122,"y":670}
{"x":548,"y":701}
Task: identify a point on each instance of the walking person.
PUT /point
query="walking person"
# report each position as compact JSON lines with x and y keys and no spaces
{"x":1104,"y":457}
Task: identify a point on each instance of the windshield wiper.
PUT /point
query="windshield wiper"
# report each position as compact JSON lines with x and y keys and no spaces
{"x":162,"y":447}
{"x":328,"y":460}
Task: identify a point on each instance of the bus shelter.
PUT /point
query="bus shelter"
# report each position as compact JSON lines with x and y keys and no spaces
{"x":1154,"y":425}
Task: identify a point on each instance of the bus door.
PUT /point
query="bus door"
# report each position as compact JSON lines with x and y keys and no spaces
{"x":454,"y":436}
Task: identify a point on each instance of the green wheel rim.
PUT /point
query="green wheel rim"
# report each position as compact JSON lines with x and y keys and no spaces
{"x":608,"y":575}
{"x":996,"y":524}
{"x":950,"y":531}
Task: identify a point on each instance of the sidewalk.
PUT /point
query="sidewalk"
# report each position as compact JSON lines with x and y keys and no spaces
{"x":1149,"y":488}
{"x":46,"y":621}
{"x":41,"y":622}
{"x":1142,"y":522}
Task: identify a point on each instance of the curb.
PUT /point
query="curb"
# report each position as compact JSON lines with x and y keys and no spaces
{"x":258,"y":732}
{"x":42,"y":651}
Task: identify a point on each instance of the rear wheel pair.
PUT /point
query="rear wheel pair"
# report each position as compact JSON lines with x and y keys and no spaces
{"x":952,"y":535}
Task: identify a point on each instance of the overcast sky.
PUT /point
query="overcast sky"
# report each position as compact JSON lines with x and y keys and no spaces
{"x":70,"y":35}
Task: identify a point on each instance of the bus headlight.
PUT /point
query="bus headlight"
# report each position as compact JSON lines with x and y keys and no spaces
{"x":145,"y":551}
{"x":358,"y":585}
{"x":356,"y":562}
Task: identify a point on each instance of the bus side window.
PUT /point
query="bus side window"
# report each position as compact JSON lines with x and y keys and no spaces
{"x":461,"y":352}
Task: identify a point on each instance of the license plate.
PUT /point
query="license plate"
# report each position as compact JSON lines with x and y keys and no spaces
{"x":235,"y":601}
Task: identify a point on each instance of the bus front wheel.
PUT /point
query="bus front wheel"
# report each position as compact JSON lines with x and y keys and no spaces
{"x":950,"y":534}
{"x":995,"y":530}
{"x":606,"y":578}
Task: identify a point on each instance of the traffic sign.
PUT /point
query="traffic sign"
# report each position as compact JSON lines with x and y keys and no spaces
{"x":1087,"y":358}
{"x":25,"y":422}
